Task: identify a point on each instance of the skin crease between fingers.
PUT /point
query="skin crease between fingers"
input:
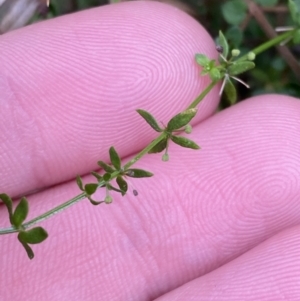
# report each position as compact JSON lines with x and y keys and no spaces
{"x":84,"y":76}
{"x":201,"y":210}
{"x":268,"y":272}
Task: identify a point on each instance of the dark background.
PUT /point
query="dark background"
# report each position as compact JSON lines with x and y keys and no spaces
{"x":246,"y":24}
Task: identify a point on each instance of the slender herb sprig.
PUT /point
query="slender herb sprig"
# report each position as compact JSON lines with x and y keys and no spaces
{"x":227,"y":68}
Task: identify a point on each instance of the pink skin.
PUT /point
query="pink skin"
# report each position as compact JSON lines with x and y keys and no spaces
{"x":216,"y":224}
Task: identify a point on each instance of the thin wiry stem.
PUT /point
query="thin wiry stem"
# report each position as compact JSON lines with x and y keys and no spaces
{"x":78,"y":198}
{"x":240,"y":81}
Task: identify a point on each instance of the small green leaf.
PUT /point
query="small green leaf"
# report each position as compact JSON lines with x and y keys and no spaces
{"x":240,"y":67}
{"x":182,"y":141}
{"x":114,"y":158}
{"x":159,"y":147}
{"x":150,"y":120}
{"x":138,"y":173}
{"x":230,"y":91}
{"x":20,"y":213}
{"x":222,"y":41}
{"x":90,"y":188}
{"x":214,"y":74}
{"x":28,"y":250}
{"x":181,"y":119}
{"x":122,"y":184}
{"x":9,"y":205}
{"x":235,"y":11}
{"x":202,"y":59}
{"x":106,"y":177}
{"x":33,"y":236}
{"x":110,"y":187}
{"x":95,"y":203}
{"x":96,"y":175}
{"x":105,"y":167}
{"x":79,"y":182}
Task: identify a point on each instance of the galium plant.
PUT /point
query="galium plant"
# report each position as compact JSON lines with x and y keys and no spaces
{"x":113,"y":177}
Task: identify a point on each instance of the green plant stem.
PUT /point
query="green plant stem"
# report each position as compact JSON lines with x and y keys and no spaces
{"x":144,"y":151}
{"x":46,"y":215}
{"x":83,"y":195}
{"x":202,"y":95}
{"x":273,"y":42}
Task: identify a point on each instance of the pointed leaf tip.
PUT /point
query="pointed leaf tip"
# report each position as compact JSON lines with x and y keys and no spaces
{"x":114,"y":158}
{"x":79,"y":182}
{"x":27,"y":248}
{"x":105,"y":167}
{"x":223,"y":43}
{"x":9,"y":205}
{"x":150,"y":120}
{"x":96,"y":175}
{"x":33,"y":236}
{"x":110,"y":187}
{"x":95,"y":203}
{"x":20,"y":213}
{"x":182,"y":141}
{"x":230,"y":91}
{"x":138,"y":173}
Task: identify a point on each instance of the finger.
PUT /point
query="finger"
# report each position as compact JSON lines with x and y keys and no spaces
{"x":83,"y":78}
{"x":200,"y":210}
{"x":268,"y":272}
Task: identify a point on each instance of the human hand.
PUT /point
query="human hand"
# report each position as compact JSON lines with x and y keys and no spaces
{"x":217,"y":221}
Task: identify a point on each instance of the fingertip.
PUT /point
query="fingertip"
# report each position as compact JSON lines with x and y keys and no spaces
{"x":70,"y":87}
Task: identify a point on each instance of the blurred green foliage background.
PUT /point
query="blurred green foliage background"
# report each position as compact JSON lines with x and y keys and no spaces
{"x":243,"y":30}
{"x":246,"y":24}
